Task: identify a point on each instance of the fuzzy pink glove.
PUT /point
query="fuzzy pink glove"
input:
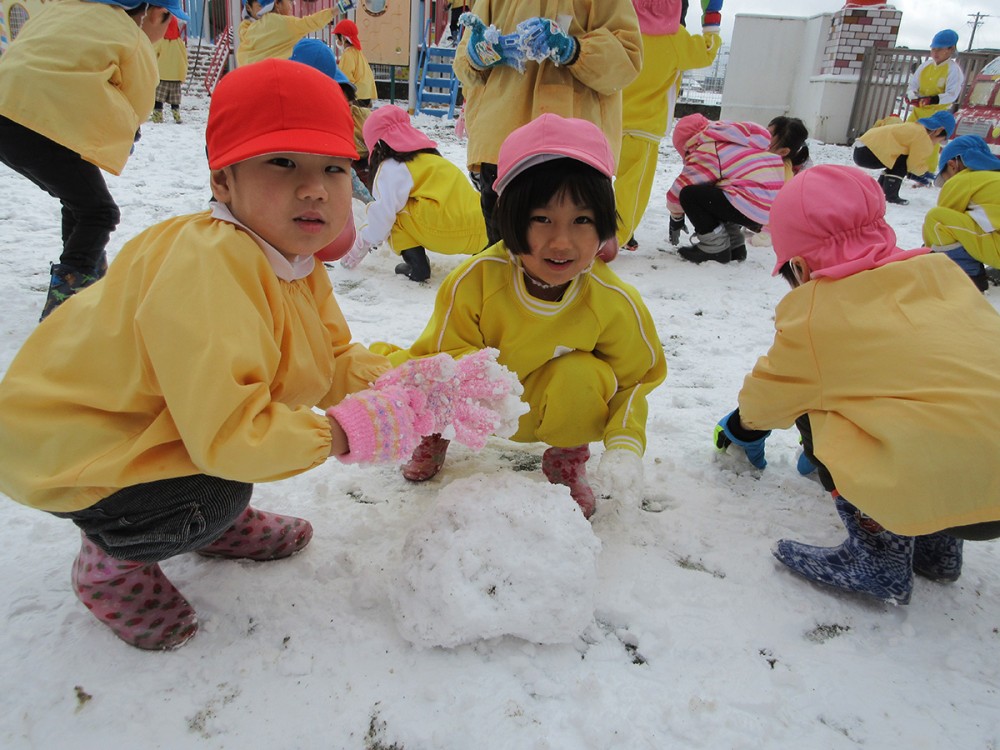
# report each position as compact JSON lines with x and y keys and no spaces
{"x":384,"y":425}
{"x":469,"y":400}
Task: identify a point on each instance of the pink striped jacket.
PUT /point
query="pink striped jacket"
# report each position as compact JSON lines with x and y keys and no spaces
{"x":734,"y":156}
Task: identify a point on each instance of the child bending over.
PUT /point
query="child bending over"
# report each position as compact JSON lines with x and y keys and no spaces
{"x":728,"y":181}
{"x":901,"y":148}
{"x":422,"y":201}
{"x":270,"y":29}
{"x":965,"y":224}
{"x":580,"y":340}
{"x":889,"y":362}
{"x":146,"y":407}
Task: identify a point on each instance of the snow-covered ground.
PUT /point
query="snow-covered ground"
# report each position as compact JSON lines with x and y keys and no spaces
{"x":697,"y":639}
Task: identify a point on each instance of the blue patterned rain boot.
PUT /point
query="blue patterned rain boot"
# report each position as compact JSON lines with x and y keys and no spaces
{"x":65,"y":281}
{"x":938,"y":557}
{"x":871,"y":560}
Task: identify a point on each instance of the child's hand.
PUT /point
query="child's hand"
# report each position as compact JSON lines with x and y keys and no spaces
{"x":382,"y":426}
{"x":542,"y":39}
{"x":619,"y":476}
{"x":725,"y":435}
{"x":357,"y":254}
{"x":924,"y":180}
{"x":487,"y":48}
{"x":468,"y":400}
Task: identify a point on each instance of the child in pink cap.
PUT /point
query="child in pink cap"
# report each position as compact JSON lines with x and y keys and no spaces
{"x":146,"y":407}
{"x":889,"y":362}
{"x":422,"y":201}
{"x":580,"y":340}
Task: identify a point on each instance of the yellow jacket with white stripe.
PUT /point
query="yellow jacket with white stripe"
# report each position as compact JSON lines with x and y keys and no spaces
{"x":83,"y":75}
{"x":977,"y":193}
{"x":484,"y":303}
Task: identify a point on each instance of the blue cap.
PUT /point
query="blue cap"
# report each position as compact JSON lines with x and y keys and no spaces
{"x":943,"y":119}
{"x":974,"y":152}
{"x":174,"y":6}
{"x":944,"y":39}
{"x":316,"y":54}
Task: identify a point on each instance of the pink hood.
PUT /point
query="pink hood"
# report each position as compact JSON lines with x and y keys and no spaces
{"x":834,"y":217}
{"x":747,"y":134}
{"x":658,"y":17}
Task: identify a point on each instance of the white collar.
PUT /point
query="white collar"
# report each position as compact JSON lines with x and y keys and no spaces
{"x":284,"y":269}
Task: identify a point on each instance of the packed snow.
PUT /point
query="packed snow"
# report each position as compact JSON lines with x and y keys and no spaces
{"x":665,"y":623}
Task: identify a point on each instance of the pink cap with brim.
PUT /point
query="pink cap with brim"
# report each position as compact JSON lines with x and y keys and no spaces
{"x":277,"y":106}
{"x":553,"y":137}
{"x":391,"y":124}
{"x":833,"y":217}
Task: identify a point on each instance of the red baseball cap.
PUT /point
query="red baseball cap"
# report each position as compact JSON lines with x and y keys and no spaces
{"x":276,"y":106}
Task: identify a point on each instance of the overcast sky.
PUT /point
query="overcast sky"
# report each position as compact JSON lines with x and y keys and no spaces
{"x":921,"y":18}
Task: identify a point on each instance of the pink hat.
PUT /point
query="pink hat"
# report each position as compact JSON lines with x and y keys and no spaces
{"x":687,"y":128}
{"x":349,"y":29}
{"x":276,"y":106}
{"x":553,"y":137}
{"x":834,"y":217}
{"x":391,"y":124}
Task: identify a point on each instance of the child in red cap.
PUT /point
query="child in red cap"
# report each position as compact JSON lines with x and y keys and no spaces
{"x":146,"y":407}
{"x":580,"y":340}
{"x":422,"y":201}
{"x":353,"y":62}
{"x":888,"y":360}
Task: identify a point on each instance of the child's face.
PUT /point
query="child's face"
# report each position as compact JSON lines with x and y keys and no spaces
{"x":296,"y":202}
{"x":951,"y":168}
{"x":563,"y":241}
{"x":283,"y":7}
{"x":940,"y":54}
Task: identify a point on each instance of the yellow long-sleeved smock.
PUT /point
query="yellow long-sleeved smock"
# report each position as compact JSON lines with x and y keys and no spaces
{"x":354,"y":65}
{"x":898,"y":369}
{"x":501,"y":99}
{"x":889,"y":142}
{"x":83,"y":75}
{"x":275,"y":35}
{"x":190,"y":357}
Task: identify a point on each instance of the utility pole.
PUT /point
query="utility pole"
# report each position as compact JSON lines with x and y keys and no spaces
{"x":978,"y":18}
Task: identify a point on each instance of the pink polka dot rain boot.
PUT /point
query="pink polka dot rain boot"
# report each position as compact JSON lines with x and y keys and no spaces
{"x":568,"y":466}
{"x":427,"y":459}
{"x":259,"y":535}
{"x":134,"y":599}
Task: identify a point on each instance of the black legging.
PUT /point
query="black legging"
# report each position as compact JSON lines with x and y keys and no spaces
{"x":89,"y":213}
{"x":864,"y":157}
{"x":706,"y":207}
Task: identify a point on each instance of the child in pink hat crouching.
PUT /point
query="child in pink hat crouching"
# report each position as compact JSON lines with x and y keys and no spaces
{"x":889,"y":361}
{"x":580,"y":340}
{"x":422,"y":201}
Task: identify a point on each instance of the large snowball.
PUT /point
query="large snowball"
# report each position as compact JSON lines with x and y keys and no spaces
{"x":497,"y":555}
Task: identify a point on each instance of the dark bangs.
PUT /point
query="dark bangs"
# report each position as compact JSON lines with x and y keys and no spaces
{"x":537,"y":185}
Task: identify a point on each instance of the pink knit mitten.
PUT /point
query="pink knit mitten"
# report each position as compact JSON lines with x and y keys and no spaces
{"x":384,"y":425}
{"x":259,"y":535}
{"x":469,"y":400}
{"x":134,"y":599}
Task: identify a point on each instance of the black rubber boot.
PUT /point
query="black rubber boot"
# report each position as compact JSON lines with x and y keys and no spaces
{"x":890,"y":186}
{"x":415,"y":265}
{"x":737,"y":242}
